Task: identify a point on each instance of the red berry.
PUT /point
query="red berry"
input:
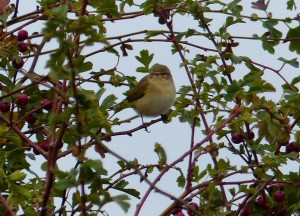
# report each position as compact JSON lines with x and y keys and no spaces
{"x":193,"y":206}
{"x":279,"y":196}
{"x":176,"y":211}
{"x":292,"y":147}
{"x":17,"y":64}
{"x":1,"y":86}
{"x":22,"y":100}
{"x":282,"y":212}
{"x":237,"y":138}
{"x":45,"y":145}
{"x":251,"y":135}
{"x":261,"y":202}
{"x":22,"y":35}
{"x":22,"y":47}
{"x":4,"y":107}
{"x":247,"y":211}
{"x":47,"y":104}
{"x":161,"y":20}
{"x":180,"y":214}
{"x":276,"y":186}
{"x":30,"y":119}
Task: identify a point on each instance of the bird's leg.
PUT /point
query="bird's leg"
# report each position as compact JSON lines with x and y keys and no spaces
{"x":164,"y":118}
{"x":146,"y":129}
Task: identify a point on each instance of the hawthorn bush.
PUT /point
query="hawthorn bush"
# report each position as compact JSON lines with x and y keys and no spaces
{"x":63,"y":71}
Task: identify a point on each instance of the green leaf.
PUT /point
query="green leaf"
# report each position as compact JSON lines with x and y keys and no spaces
{"x":145,"y":58}
{"x":181,"y":181}
{"x":18,"y":175}
{"x":235,"y":8}
{"x":190,"y":32}
{"x":121,"y":187}
{"x":161,"y":154}
{"x":293,"y":62}
{"x":290,"y":4}
{"x":150,"y":34}
{"x":122,"y":200}
{"x":233,"y":91}
{"x":82,"y":66}
{"x":64,"y":184}
{"x":294,"y":44}
{"x":109,"y":101}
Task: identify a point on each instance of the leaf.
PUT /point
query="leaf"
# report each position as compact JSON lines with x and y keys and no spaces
{"x":109,"y":101}
{"x":122,"y":200}
{"x":150,"y":34}
{"x":145,"y":58}
{"x":16,"y":176}
{"x":64,"y":184}
{"x":181,"y":181}
{"x":290,"y":4}
{"x":161,"y":154}
{"x":130,"y":191}
{"x":294,"y":44}
{"x":235,"y":8}
{"x":293,"y":62}
{"x":233,"y":91}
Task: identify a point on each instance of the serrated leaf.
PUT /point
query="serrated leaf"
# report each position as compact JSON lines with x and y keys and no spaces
{"x":292,"y":62}
{"x":294,"y":44}
{"x":181,"y":181}
{"x":145,"y":58}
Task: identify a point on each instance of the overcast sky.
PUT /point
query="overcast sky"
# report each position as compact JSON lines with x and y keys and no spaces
{"x":175,"y":136}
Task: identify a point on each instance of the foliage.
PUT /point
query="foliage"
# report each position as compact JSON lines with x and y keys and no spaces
{"x":230,"y":99}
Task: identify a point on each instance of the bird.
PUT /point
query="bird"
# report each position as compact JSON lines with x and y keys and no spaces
{"x":153,"y":95}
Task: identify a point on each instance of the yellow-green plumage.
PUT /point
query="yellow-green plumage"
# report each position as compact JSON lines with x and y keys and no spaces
{"x":154,"y":94}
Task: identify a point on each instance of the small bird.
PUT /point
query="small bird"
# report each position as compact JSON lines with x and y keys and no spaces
{"x":154,"y":94}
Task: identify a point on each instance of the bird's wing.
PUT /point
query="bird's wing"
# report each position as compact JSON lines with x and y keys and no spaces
{"x":138,"y":91}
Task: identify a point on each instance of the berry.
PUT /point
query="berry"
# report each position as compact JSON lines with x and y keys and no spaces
{"x":176,"y":211}
{"x":276,"y":186}
{"x":237,"y":138}
{"x":251,"y":135}
{"x":279,"y":196}
{"x":47,"y":104}
{"x":247,"y":211}
{"x":292,"y":147}
{"x":282,"y":212}
{"x":161,"y":20}
{"x":22,"y":47}
{"x":180,"y":214}
{"x":22,"y":35}
{"x":30,"y":119}
{"x":22,"y":100}
{"x":193,"y":206}
{"x":45,"y":145}
{"x":1,"y":86}
{"x":261,"y":202}
{"x":4,"y":107}
{"x":17,"y":64}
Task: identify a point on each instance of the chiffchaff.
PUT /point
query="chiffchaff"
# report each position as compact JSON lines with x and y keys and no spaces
{"x":154,"y":94}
